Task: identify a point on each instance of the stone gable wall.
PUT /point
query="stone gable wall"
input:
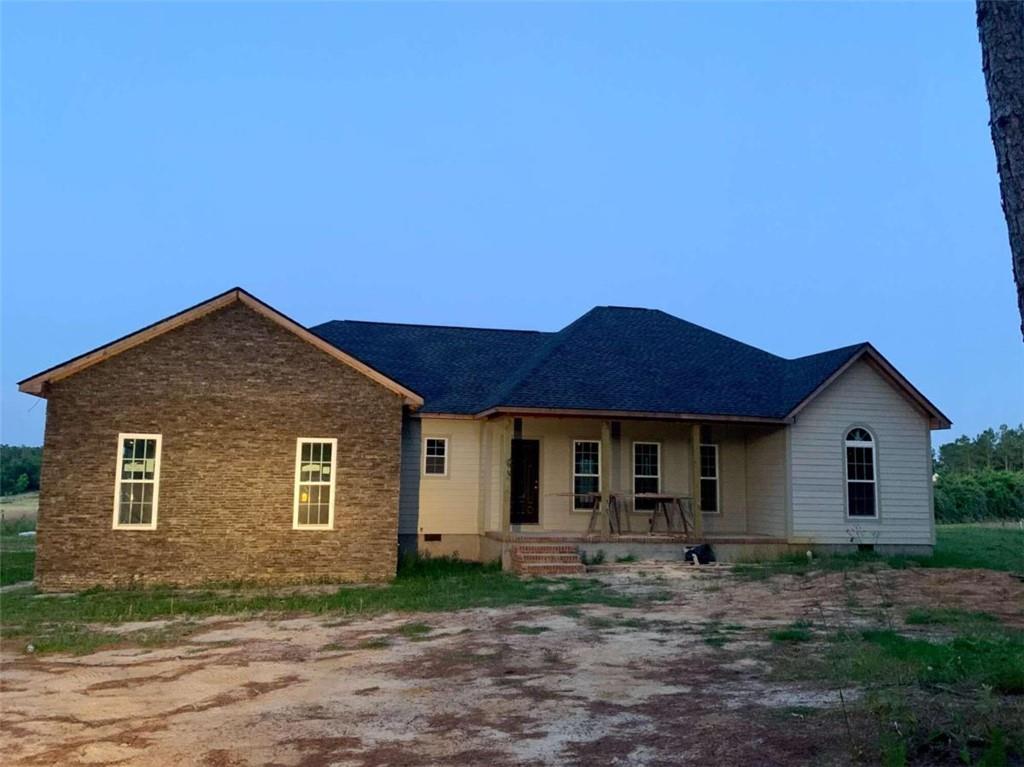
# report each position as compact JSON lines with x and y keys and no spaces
{"x":230,"y":393}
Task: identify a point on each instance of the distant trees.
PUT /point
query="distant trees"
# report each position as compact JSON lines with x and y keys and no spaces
{"x":19,"y":468}
{"x":981,"y":478}
{"x":1001,"y":449}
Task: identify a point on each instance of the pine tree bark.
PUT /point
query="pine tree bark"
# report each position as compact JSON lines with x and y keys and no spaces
{"x":1001,"y":29}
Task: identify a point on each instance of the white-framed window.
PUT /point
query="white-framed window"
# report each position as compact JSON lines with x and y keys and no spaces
{"x":646,"y":473}
{"x":861,"y":487}
{"x":710,"y":500}
{"x":435,"y":456}
{"x":586,"y":472}
{"x":137,"y":483}
{"x":315,"y":462}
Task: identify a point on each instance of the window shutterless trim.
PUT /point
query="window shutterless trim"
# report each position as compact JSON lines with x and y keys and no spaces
{"x":423,"y":468}
{"x":151,"y":525}
{"x":717,"y":478}
{"x":576,"y":442}
{"x":645,"y":476}
{"x":872,"y":444}
{"x":331,"y":483}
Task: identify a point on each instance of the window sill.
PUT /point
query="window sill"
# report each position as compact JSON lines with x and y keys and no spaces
{"x":312,"y":527}
{"x":134,"y":527}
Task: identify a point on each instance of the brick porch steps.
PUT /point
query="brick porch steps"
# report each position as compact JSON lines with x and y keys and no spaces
{"x":546,"y":559}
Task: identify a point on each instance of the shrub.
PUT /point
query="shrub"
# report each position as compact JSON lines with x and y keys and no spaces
{"x":977,"y":497}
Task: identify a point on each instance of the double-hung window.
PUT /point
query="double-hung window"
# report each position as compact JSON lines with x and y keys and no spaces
{"x":586,"y":472}
{"x":315,"y":461}
{"x":137,"y":486}
{"x":646,"y":473}
{"x":435,"y":456}
{"x":861,"y":495}
{"x":709,"y":498}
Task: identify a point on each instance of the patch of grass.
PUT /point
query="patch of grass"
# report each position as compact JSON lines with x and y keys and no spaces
{"x":377,"y":643}
{"x":973,"y":546}
{"x":797,"y":632}
{"x":597,"y":558}
{"x":530,"y":630}
{"x":957,"y":546}
{"x":626,"y":558}
{"x":973,"y":660}
{"x":80,"y":639}
{"x":942,"y":616}
{"x":599,"y":622}
{"x":412,"y":630}
{"x":17,"y":552}
{"x":16,"y":566}
{"x":436,"y":585}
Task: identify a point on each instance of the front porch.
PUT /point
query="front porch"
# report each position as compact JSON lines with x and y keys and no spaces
{"x":564,"y":553}
{"x":642,"y":480}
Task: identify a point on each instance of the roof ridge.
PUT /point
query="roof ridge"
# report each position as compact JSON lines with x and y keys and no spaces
{"x":443,"y":327}
{"x":719,"y":335}
{"x":847,"y":347}
{"x":535,"y":360}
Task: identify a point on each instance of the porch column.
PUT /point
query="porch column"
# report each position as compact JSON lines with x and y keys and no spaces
{"x":505,"y":469}
{"x":607,"y":484}
{"x":698,"y":521}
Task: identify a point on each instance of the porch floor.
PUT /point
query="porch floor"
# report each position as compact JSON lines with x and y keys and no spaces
{"x":572,"y":536}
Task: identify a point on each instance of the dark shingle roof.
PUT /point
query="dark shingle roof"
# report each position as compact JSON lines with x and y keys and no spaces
{"x":611,"y":358}
{"x":453,"y":369}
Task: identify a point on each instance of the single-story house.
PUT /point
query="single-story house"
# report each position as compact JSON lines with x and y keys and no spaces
{"x":228,"y":442}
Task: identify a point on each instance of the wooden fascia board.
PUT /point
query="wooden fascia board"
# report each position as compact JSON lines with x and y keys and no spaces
{"x":936,"y":419}
{"x":36,"y":384}
{"x":625,"y":415}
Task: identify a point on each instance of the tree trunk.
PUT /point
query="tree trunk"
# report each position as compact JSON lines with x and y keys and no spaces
{"x":1001,"y":29}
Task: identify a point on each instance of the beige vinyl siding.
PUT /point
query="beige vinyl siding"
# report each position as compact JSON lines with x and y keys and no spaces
{"x":556,"y":436}
{"x":675,"y":460}
{"x":766,"y":482}
{"x":861,"y":397}
{"x":732,"y":480}
{"x":494,"y":454}
{"x":451,"y":503}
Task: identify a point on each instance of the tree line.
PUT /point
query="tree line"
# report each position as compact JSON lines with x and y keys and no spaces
{"x":19,"y":468}
{"x":994,"y":449}
{"x":981,"y":478}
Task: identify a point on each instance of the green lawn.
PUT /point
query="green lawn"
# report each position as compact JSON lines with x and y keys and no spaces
{"x":983,"y":546}
{"x":57,"y":623}
{"x":17,"y":558}
{"x":957,"y":546}
{"x":61,"y":623}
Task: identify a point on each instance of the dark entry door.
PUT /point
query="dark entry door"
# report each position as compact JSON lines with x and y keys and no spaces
{"x":525,"y":482}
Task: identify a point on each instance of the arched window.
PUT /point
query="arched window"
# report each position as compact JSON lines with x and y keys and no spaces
{"x":861,"y":495}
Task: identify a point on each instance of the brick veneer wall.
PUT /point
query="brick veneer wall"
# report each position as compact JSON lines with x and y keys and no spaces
{"x":230,"y":393}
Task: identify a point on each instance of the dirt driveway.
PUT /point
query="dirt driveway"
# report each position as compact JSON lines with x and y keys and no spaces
{"x":692,"y":679}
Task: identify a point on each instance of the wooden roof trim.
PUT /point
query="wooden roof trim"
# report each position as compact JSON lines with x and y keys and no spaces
{"x":936,"y":418}
{"x":36,"y":384}
{"x":627,"y":414}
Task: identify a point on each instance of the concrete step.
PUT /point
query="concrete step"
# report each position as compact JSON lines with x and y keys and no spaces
{"x":545,"y":548}
{"x":551,"y":569}
{"x":554,"y":559}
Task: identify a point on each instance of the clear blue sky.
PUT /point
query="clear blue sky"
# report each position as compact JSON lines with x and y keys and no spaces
{"x":798,"y":176}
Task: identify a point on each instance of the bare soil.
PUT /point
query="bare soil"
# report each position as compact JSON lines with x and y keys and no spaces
{"x":513,"y":686}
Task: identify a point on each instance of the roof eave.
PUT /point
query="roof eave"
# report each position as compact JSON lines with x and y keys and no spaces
{"x":512,"y":410}
{"x":37,"y":384}
{"x":936,"y":418}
